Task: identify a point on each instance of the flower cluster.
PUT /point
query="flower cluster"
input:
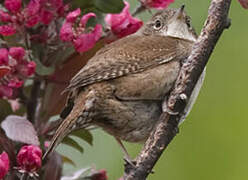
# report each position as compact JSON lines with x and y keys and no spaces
{"x":74,"y":30}
{"x":4,"y":164}
{"x":14,"y":68}
{"x":157,"y":4}
{"x":29,"y":158}
{"x":14,"y":18}
{"x":123,"y":24}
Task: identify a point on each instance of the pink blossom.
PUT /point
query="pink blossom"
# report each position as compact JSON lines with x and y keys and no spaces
{"x":7,"y":30}
{"x":72,"y":16}
{"x":46,"y":17}
{"x":77,"y":33}
{"x":244,"y":3}
{"x":4,"y":16}
{"x":15,"y":68}
{"x":157,"y":4}
{"x":123,"y":24}
{"x":5,"y":91}
{"x":28,"y":69}
{"x":13,"y":5}
{"x":4,"y":164}
{"x":29,"y":158}
{"x":66,"y":32}
{"x":17,"y":52}
{"x":36,"y":11}
{"x":4,"y":56}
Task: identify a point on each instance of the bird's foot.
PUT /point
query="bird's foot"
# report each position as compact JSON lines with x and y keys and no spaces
{"x":129,"y":164}
{"x":167,"y":110}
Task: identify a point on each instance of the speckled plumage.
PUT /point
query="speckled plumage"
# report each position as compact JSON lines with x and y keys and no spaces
{"x":122,"y":87}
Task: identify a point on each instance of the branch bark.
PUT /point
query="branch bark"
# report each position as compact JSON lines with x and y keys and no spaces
{"x":191,"y":70}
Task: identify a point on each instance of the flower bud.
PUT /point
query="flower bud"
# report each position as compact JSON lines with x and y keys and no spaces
{"x":29,"y":158}
{"x":4,"y":164}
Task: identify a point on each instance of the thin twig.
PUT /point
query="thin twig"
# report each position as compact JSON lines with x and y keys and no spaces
{"x":191,"y":70}
{"x":139,"y":9}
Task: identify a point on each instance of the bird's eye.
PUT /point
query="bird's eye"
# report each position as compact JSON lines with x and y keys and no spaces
{"x":157,"y":24}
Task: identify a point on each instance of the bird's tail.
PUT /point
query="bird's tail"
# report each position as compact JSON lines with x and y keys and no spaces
{"x":67,"y":125}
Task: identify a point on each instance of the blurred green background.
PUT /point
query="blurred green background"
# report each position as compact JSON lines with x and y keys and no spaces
{"x":212,"y":143}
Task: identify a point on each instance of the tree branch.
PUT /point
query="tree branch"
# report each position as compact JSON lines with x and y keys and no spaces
{"x":191,"y":70}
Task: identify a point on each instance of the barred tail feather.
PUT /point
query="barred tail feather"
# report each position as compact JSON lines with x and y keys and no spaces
{"x":67,"y":125}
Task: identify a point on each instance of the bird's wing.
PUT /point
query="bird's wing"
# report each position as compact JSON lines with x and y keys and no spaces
{"x":113,"y":61}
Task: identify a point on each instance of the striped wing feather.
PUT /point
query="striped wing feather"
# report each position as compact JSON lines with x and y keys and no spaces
{"x":113,"y":61}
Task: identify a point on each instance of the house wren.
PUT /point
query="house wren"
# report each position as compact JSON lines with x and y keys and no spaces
{"x":122,"y":87}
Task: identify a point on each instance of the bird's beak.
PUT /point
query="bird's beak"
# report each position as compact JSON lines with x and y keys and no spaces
{"x":179,"y":13}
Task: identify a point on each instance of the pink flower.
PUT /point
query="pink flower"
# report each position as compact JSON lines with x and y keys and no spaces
{"x":14,"y":68}
{"x":7,"y":30}
{"x":244,"y":3}
{"x":157,"y":4}
{"x":4,"y":164}
{"x":29,"y":158}
{"x":100,"y":175}
{"x":36,"y":11}
{"x":77,"y":33}
{"x":3,"y":56}
{"x":17,"y":53}
{"x":13,"y":5}
{"x":4,"y":16}
{"x":123,"y":24}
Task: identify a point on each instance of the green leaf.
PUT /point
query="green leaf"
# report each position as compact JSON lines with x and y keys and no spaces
{"x":71,"y":142}
{"x":65,"y":159}
{"x":81,"y":3}
{"x":109,"y":6}
{"x":43,"y":70}
{"x":83,"y":134}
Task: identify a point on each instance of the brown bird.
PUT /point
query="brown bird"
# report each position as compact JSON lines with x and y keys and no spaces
{"x":122,"y":87}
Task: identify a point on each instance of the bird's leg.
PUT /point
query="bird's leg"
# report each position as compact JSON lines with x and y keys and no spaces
{"x":127,"y":158}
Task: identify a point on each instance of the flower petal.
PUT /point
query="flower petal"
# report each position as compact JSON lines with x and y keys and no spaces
{"x":84,"y":42}
{"x":87,"y":41}
{"x":4,"y":58}
{"x":72,"y":16}
{"x":5,"y":91}
{"x":32,"y":21}
{"x":32,"y":8}
{"x":17,"y":52}
{"x":123,"y":24}
{"x":29,"y":158}
{"x":13,"y":5}
{"x":4,"y":16}
{"x":66,"y":33}
{"x":85,"y":18}
{"x":46,"y":17}
{"x":4,"y":164}
{"x":158,"y":4}
{"x":7,"y":30}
